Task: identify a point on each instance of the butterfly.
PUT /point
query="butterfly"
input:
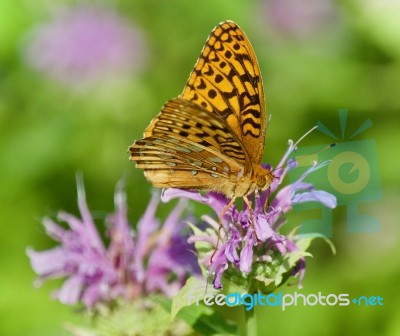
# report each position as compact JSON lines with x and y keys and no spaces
{"x":211,"y":137}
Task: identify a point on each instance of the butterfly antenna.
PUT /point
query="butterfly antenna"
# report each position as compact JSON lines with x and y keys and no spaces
{"x":304,"y":157}
{"x":311,"y":130}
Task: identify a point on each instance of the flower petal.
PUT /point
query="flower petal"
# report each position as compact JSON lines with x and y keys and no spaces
{"x":246,"y":257}
{"x":320,"y":196}
{"x":48,"y":263}
{"x":262,"y":228}
{"x":215,"y":200}
{"x":218,"y":275}
{"x":70,"y":291}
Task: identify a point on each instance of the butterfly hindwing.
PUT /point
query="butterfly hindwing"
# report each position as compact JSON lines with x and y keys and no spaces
{"x":186,"y":147}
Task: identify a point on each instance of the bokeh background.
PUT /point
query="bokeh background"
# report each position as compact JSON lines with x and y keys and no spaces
{"x":79,"y":81}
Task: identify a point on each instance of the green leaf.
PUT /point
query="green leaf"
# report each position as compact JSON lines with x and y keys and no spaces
{"x":234,"y":280}
{"x":79,"y":331}
{"x":264,"y":280}
{"x":194,"y":287}
{"x":287,"y":265}
{"x":206,"y":321}
{"x":303,"y":242}
{"x":188,"y":305}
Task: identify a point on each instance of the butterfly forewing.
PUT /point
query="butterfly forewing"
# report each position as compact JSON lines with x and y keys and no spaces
{"x":226,"y":80}
{"x":186,"y":147}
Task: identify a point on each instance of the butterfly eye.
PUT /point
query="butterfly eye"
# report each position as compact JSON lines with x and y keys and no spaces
{"x":261,"y":181}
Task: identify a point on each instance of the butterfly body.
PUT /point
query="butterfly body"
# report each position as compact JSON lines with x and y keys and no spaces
{"x":212,"y":136}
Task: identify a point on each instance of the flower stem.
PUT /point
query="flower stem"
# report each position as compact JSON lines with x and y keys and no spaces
{"x":250,"y":321}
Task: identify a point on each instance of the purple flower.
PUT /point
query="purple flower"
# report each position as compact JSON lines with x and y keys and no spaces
{"x":153,"y":260}
{"x":245,"y":243}
{"x":300,"y":18}
{"x":84,"y":44}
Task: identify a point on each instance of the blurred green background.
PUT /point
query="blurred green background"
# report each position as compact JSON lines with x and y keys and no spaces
{"x":57,"y":118}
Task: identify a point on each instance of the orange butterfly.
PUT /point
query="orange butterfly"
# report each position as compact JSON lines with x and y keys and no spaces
{"x":212,"y":136}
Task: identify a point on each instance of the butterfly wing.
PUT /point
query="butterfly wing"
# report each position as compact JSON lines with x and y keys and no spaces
{"x":187,"y":147}
{"x":227,"y":80}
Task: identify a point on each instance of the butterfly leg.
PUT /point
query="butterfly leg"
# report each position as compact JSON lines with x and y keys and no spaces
{"x":222,"y":214}
{"x":246,"y":200}
{"x":266,"y":205}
